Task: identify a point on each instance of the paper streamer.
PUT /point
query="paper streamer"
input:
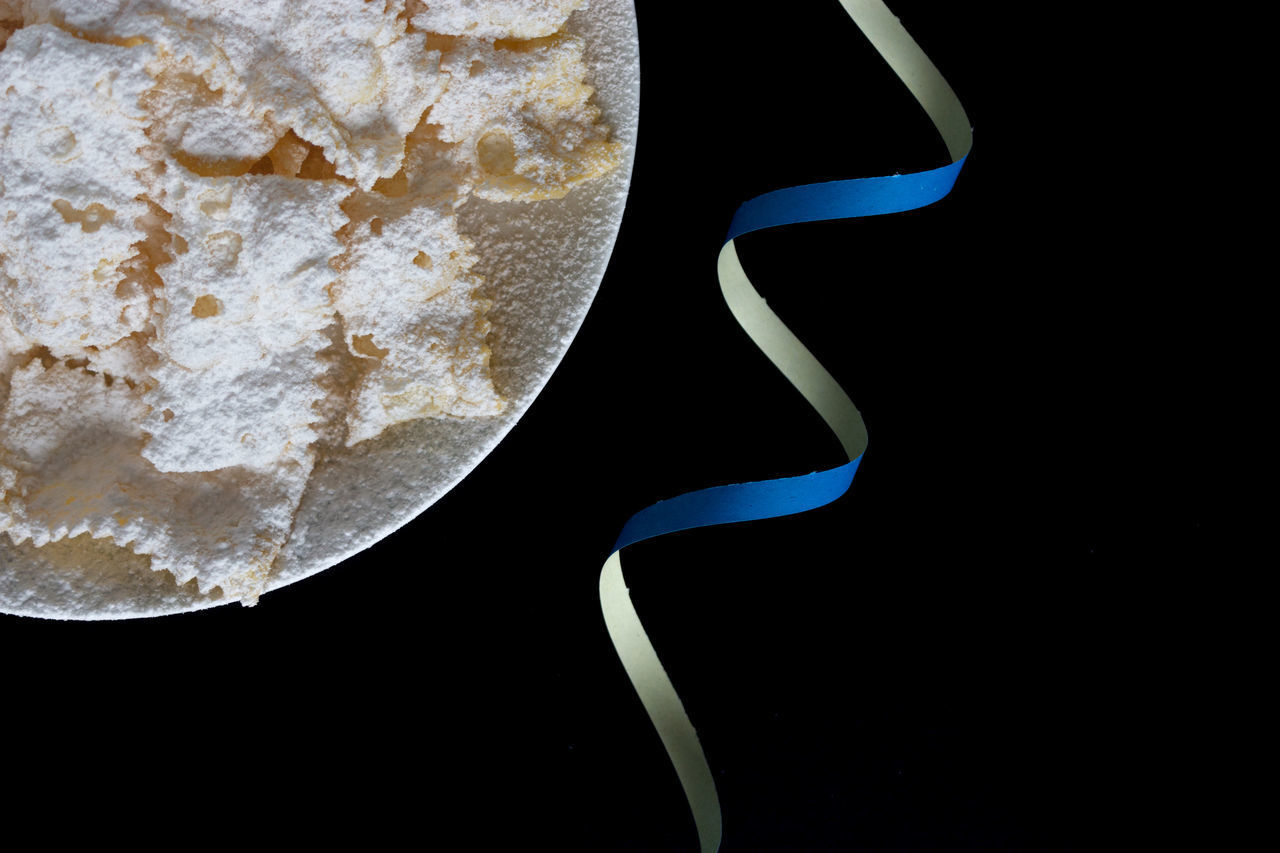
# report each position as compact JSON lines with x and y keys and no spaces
{"x":785,"y":496}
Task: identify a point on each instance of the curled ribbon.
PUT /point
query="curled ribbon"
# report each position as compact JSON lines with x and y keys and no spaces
{"x":788,"y":495}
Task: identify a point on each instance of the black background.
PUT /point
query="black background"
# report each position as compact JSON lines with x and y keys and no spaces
{"x":972,"y":650}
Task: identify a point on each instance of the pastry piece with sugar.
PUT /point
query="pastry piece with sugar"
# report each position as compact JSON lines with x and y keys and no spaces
{"x":71,"y":131}
{"x":405,"y":295}
{"x":241,"y":318}
{"x":345,"y":75}
{"x":195,"y":107}
{"x":520,"y":120}
{"x":492,"y":19}
{"x":71,"y":462}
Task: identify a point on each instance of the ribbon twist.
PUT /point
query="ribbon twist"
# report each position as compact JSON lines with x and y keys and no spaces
{"x":785,"y":496}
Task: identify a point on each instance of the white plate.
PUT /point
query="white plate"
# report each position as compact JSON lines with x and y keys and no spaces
{"x":545,"y":261}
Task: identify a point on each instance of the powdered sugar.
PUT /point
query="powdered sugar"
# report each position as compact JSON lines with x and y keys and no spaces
{"x":244,"y":361}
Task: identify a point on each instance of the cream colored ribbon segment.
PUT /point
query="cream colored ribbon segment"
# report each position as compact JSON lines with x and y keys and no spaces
{"x":791,"y":356}
{"x":661,"y":702}
{"x":785,"y":350}
{"x":886,"y":34}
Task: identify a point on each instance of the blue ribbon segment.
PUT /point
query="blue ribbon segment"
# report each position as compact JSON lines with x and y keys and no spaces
{"x":844,"y":199}
{"x":738,"y":502}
